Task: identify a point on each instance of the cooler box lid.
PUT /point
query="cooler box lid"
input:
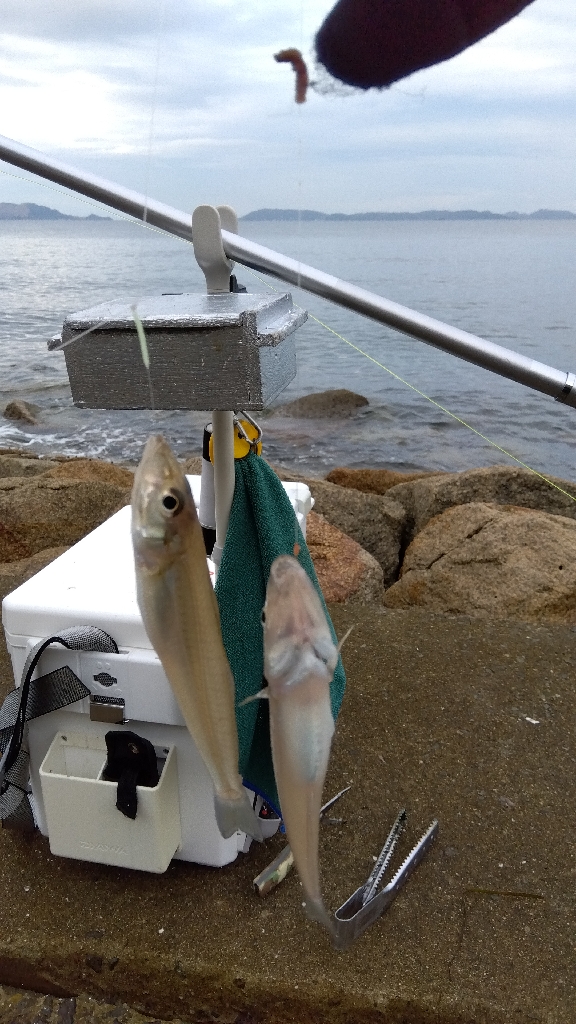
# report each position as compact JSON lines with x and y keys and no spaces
{"x":93,"y":583}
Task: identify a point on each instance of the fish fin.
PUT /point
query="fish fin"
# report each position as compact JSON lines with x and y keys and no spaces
{"x":261,"y":695}
{"x":344,"y":639}
{"x":236,"y":816}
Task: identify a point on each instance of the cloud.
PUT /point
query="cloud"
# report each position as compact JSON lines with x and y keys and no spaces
{"x":198,"y":70}
{"x":189,"y":90}
{"x":532,"y":55}
{"x":119,"y":20}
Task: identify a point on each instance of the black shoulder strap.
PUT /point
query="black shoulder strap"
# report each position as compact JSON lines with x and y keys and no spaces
{"x":31,"y":700}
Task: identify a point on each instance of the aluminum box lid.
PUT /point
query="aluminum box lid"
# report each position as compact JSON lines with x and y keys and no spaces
{"x":265,"y":318}
{"x":229,"y":351}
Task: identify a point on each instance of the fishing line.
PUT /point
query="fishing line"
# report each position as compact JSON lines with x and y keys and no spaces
{"x":102,"y":323}
{"x":116,"y":215}
{"x":159,"y":28}
{"x":145,"y":355}
{"x":137,"y":321}
{"x":442,"y":407}
{"x":299,"y":182}
{"x":141,"y":334}
{"x":299,"y":160}
{"x":68,"y":194}
{"x":422,"y":394}
{"x":83,"y":334}
{"x":144,"y":222}
{"x":401,"y":380}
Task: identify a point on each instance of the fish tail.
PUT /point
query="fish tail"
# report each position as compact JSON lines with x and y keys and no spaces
{"x":236,"y":816}
{"x":316,"y":911}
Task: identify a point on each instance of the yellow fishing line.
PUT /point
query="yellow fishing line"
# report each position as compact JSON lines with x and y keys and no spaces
{"x":442,"y":407}
{"x":141,"y":337}
{"x":144,"y":353}
{"x":427,"y":397}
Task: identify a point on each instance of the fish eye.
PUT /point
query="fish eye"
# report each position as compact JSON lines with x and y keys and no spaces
{"x":173,"y":502}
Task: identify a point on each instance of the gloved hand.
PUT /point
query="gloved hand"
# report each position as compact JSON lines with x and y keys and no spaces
{"x":369,"y":43}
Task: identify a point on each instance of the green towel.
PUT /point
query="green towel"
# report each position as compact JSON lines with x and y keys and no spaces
{"x":262,"y":526}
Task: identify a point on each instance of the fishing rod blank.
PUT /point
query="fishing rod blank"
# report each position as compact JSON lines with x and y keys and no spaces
{"x":559,"y":384}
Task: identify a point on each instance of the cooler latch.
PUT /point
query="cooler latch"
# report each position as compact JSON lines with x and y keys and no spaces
{"x":107,"y":709}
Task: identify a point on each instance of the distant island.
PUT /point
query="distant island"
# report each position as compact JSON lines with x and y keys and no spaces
{"x":30,"y":211}
{"x":423,"y":215}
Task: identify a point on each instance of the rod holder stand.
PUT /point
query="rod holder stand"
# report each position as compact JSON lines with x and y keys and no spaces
{"x":207,"y":223}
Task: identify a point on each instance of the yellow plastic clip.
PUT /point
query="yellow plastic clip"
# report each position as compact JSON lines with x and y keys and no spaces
{"x":246,"y":438}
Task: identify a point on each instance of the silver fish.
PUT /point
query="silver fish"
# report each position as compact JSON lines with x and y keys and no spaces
{"x":299,"y":662}
{"x":180,"y":615}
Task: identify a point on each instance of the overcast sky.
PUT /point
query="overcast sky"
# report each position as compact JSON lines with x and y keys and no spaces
{"x":183,"y":99}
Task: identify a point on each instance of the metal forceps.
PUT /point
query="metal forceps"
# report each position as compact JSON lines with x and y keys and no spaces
{"x":366,"y":905}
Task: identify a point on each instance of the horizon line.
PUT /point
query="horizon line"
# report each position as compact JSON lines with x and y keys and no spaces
{"x":293,"y":214}
{"x":275,"y":213}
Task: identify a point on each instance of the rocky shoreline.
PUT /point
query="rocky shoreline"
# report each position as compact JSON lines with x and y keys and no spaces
{"x":494,"y":542}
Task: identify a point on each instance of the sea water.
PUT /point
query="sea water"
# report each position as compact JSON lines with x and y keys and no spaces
{"x":509,"y":281}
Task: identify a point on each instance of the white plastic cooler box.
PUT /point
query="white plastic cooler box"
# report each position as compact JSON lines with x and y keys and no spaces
{"x":93,"y":584}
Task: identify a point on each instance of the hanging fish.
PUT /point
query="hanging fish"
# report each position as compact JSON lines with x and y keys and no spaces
{"x":299,"y":662}
{"x":180,"y":615}
{"x":367,"y":43}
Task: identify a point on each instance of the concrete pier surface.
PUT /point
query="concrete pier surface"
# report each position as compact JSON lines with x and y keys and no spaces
{"x":470,"y":721}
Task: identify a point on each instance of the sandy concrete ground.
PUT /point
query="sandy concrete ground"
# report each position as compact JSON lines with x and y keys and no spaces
{"x":436,"y":719}
{"x":20,"y":1006}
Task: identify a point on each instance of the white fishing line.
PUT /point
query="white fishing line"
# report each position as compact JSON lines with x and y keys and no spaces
{"x":151,"y":140}
{"x":95,"y":205}
{"x":60,"y":190}
{"x":151,"y":130}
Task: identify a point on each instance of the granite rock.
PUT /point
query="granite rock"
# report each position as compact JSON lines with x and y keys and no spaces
{"x":493,"y":561}
{"x":41,"y":513}
{"x":505,"y":485}
{"x":16,"y":572}
{"x":346,"y":572}
{"x":375,"y":481}
{"x":91,"y":470}
{"x":323,"y":404}
{"x":24,"y":465}
{"x":26,"y":412}
{"x":372,"y":520}
{"x":192,"y":465}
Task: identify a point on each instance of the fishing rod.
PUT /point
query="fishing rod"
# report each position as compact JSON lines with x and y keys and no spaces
{"x":559,"y":384}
